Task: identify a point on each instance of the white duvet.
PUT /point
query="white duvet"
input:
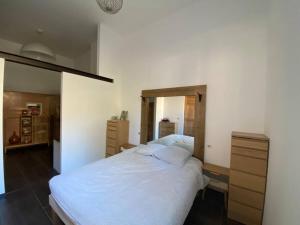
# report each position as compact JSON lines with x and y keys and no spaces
{"x":128,"y":189}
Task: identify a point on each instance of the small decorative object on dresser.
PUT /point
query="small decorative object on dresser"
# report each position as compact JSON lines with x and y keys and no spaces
{"x":124,"y":115}
{"x":114,"y":118}
{"x":166,"y":128}
{"x":248,"y":176}
{"x":117,"y":132}
{"x":219,"y":179}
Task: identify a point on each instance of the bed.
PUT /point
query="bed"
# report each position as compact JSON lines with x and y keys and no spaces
{"x":129,"y":188}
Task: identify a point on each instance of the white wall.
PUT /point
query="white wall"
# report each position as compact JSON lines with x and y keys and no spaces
{"x":109,"y":58}
{"x":83,"y":61}
{"x":219,"y":43}
{"x":87,"y":61}
{"x":2,"y":187}
{"x":282,"y":117}
{"x":94,"y":56}
{"x":23,"y":78}
{"x":174,"y":111}
{"x":86,"y":104}
{"x":171,"y":108}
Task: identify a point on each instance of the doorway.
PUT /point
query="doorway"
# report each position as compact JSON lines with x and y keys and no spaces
{"x":31,"y":119}
{"x":151,"y":116}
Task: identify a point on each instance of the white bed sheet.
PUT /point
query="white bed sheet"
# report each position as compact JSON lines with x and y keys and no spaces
{"x":128,"y":189}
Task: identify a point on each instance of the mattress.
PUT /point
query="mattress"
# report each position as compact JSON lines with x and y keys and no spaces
{"x":128,"y":189}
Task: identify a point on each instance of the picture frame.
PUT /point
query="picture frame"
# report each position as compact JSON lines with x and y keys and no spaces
{"x":35,"y":108}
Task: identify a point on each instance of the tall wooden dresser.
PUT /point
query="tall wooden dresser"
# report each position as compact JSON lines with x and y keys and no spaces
{"x":117,"y":133}
{"x":248,"y":175}
{"x":166,"y":128}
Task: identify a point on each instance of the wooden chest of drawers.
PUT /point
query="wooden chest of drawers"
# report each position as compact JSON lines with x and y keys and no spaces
{"x":248,"y":175}
{"x":117,"y":132}
{"x":166,"y":128}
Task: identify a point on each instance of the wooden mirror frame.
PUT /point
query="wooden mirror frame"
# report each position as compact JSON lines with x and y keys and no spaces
{"x":200,"y":108}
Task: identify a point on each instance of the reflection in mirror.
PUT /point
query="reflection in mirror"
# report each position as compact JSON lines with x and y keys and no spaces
{"x":171,"y":115}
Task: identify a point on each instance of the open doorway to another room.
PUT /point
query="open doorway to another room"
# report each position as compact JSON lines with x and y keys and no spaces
{"x":31,"y":114}
{"x":151,"y":116}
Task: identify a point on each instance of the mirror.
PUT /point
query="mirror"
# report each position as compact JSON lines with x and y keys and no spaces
{"x":171,"y":115}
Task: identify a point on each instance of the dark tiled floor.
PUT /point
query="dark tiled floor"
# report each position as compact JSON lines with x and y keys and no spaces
{"x":27,"y":173}
{"x":210,"y":211}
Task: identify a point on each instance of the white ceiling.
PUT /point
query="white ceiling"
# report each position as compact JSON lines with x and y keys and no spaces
{"x":70,"y":25}
{"x":23,"y":78}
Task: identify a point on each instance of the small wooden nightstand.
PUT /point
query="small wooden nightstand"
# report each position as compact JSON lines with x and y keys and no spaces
{"x":219,"y":179}
{"x":126,"y":146}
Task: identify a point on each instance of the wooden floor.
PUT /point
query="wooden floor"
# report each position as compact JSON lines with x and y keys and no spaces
{"x":27,"y":173}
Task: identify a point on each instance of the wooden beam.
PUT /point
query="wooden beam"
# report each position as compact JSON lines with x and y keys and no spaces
{"x":177,"y":91}
{"x":49,"y":66}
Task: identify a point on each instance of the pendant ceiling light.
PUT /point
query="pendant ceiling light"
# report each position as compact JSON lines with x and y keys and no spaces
{"x":38,"y":51}
{"x":110,"y":6}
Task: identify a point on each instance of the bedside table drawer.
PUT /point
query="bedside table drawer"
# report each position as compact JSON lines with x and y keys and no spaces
{"x":249,"y":152}
{"x":250,"y":143}
{"x":248,"y":181}
{"x":246,"y":197}
{"x":216,"y":176}
{"x":244,"y":214}
{"x":249,"y":165}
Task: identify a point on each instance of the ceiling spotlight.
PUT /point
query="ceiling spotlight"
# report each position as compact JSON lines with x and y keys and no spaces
{"x":110,"y":6}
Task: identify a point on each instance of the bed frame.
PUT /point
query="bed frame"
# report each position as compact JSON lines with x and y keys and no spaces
{"x":200,"y":108}
{"x":59,"y":211}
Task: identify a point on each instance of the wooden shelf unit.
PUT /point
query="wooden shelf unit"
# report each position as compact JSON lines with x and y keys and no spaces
{"x":26,"y":129}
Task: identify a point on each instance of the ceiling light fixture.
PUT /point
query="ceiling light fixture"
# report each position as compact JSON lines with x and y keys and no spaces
{"x":38,"y":51}
{"x":110,"y":6}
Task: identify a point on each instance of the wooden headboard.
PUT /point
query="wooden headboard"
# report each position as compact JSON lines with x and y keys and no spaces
{"x":200,"y":108}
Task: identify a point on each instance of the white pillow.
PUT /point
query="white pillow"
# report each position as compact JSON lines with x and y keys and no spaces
{"x":167,"y":140}
{"x":173,"y":154}
{"x":187,"y":146}
{"x":149,"y":149}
